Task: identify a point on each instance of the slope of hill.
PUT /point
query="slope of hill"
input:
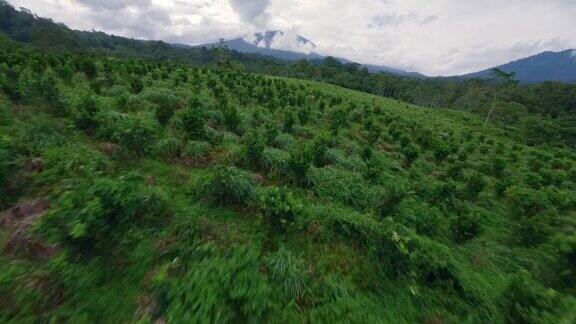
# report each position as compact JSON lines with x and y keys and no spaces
{"x":149,"y":191}
{"x":553,"y":101}
{"x":547,"y":66}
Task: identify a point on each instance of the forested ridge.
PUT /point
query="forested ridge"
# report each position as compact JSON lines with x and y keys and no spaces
{"x":142,"y":189}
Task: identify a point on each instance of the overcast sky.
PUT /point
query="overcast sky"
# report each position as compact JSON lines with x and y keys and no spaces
{"x":435,"y":37}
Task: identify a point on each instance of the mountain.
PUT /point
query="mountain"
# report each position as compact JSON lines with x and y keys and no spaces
{"x":290,"y":46}
{"x":279,"y":39}
{"x":547,"y":66}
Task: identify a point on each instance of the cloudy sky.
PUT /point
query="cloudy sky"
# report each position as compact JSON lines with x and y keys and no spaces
{"x":435,"y":37}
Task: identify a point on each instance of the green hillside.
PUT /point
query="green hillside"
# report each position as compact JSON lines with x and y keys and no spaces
{"x":542,"y":113}
{"x":141,"y":191}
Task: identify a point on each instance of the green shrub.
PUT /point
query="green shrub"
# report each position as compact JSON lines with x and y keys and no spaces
{"x":344,"y":187}
{"x":391,"y":198}
{"x":319,"y":147}
{"x":438,"y":192}
{"x":136,"y":85}
{"x":197,"y":149}
{"x":562,"y":200}
{"x":534,"y":214}
{"x":193,"y":123}
{"x":290,"y":121}
{"x":300,"y":165}
{"x":8,"y":165}
{"x":338,"y":120}
{"x":166,"y":103}
{"x":255,"y":146}
{"x":455,"y":171}
{"x":538,"y":130}
{"x":526,"y":301}
{"x":96,"y":213}
{"x":352,"y":163}
{"x":527,"y":202}
{"x":72,"y":161}
{"x":442,"y":149}
{"x":289,"y":275}
{"x":279,"y":208}
{"x":405,"y":140}
{"x":219,"y":288}
{"x":38,"y":134}
{"x":374,"y":131}
{"x":271,"y":131}
{"x":533,"y":180}
{"x":475,"y":184}
{"x":380,"y":169}
{"x":503,"y":183}
{"x":276,"y":162}
{"x":465,"y":227}
{"x":498,"y":166}
{"x":431,"y":264}
{"x":231,"y":186}
{"x":85,"y":118}
{"x":342,"y":223}
{"x":134,"y":132}
{"x":168,"y":147}
{"x":420,"y":216}
{"x":411,"y":153}
{"x":284,"y":141}
{"x":233,"y":119}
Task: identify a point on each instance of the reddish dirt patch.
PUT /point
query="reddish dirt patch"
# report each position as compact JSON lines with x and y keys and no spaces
{"x":108,"y":148}
{"x":386,"y":147}
{"x":438,"y":175}
{"x":197,"y":163}
{"x":479,"y":260}
{"x":17,"y":221}
{"x":258,"y":178}
{"x":314,"y":229}
{"x":51,"y":290}
{"x":34,"y":165}
{"x":146,"y":307}
{"x":150,"y":180}
{"x":435,"y":320}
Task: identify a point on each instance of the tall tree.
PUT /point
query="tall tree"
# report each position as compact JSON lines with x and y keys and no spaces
{"x":507,"y":79}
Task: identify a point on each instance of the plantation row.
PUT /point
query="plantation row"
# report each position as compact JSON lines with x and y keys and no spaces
{"x":135,"y":190}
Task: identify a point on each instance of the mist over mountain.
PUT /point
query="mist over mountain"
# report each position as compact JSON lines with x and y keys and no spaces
{"x":278,"y":39}
{"x":290,"y":46}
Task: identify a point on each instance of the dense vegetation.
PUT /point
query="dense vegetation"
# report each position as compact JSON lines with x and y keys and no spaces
{"x":535,"y":113}
{"x":137,"y":190}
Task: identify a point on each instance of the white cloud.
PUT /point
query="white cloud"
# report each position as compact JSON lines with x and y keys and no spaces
{"x":436,"y":37}
{"x":252,"y":11}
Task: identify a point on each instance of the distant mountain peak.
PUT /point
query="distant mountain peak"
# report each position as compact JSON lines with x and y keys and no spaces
{"x":277,"y":39}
